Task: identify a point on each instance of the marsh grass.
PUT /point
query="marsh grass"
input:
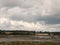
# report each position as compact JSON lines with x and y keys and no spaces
{"x":29,"y":43}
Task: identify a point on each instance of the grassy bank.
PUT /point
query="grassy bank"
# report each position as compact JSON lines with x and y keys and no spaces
{"x":29,"y":43}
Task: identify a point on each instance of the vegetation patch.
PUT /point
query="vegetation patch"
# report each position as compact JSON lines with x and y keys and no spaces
{"x":29,"y":43}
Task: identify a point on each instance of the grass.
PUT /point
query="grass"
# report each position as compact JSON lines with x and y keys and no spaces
{"x":29,"y":43}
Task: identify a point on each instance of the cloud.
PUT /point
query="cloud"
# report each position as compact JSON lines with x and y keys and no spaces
{"x":53,"y":19}
{"x":20,"y":3}
{"x":19,"y":25}
{"x":38,"y":6}
{"x":4,"y":23}
{"x":30,"y":14}
{"x":50,"y":19}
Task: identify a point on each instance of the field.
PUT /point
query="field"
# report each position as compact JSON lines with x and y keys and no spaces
{"x":28,"y":40}
{"x":29,"y":43}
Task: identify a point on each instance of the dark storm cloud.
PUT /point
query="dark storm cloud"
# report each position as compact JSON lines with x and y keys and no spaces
{"x":53,"y":19}
{"x":26,"y":18}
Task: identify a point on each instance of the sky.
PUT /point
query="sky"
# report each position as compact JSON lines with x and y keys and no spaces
{"x":38,"y":15}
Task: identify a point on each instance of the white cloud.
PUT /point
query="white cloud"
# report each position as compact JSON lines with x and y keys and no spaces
{"x":28,"y":26}
{"x":19,"y":25}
